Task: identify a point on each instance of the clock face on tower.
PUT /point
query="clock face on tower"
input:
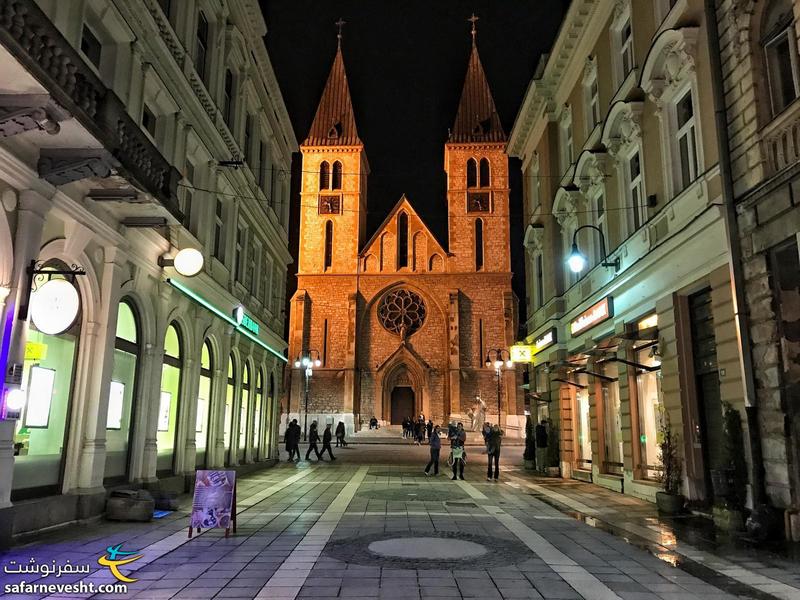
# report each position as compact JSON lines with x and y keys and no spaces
{"x":478,"y":202}
{"x":330,"y":205}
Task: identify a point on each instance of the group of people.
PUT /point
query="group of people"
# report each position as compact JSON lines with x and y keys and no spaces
{"x":292,"y":440}
{"x":493,"y":437}
{"x":417,"y":429}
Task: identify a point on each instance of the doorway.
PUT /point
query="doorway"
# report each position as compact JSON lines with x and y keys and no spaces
{"x":402,"y":404}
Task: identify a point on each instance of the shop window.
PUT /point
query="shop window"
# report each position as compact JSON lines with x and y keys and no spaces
{"x":648,"y":392}
{"x":169,"y":400}
{"x":244,"y":406}
{"x":612,"y":423}
{"x":271,"y":410}
{"x":121,"y":393}
{"x":40,"y":433}
{"x":204,"y":404}
{"x":230,"y":395}
{"x":779,"y":45}
{"x":257,"y":407}
{"x":583,"y":432}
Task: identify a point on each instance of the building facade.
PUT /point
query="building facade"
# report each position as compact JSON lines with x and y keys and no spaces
{"x":759,"y":50}
{"x":617,"y":132}
{"x":131,"y":131}
{"x":400,"y":323}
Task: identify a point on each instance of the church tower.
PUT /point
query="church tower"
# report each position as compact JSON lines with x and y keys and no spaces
{"x":477,"y":178}
{"x":334,"y":182}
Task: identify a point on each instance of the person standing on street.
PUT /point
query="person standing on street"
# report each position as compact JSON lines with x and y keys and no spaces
{"x":327,"y":436}
{"x":493,"y":443}
{"x":313,"y":439}
{"x":340,"y":435}
{"x":436,"y":447}
{"x":292,"y":440}
{"x":541,"y":446}
{"x":457,"y":442}
{"x":429,"y":427}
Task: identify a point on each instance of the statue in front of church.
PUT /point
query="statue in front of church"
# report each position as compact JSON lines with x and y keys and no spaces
{"x":478,"y":411}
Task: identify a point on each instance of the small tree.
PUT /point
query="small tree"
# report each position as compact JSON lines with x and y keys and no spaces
{"x":670,"y":477}
{"x":530,"y":440}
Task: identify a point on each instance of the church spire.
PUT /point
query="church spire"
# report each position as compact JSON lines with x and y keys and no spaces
{"x":335,"y":123}
{"x":477,"y":119}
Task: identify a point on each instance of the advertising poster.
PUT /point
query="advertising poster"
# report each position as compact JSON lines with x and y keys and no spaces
{"x":212,"y":505}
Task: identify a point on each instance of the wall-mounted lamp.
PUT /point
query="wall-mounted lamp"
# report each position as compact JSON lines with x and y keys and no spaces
{"x":577,"y":260}
{"x":187,"y":262}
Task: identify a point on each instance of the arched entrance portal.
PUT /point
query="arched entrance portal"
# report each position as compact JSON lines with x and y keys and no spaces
{"x":402,"y":404}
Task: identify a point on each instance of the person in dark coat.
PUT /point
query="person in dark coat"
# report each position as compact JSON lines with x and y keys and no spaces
{"x":292,"y":440}
{"x":313,"y":439}
{"x":419,"y":430}
{"x":327,"y":436}
{"x":457,"y":442}
{"x":541,"y":446}
{"x":340,"y":430}
{"x":493,"y":443}
{"x":429,"y":427}
{"x":436,"y":446}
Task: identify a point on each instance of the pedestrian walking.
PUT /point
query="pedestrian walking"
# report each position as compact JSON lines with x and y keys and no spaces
{"x":292,"y":440}
{"x":486,"y":432}
{"x":406,"y":427}
{"x":313,"y":439}
{"x":494,"y":441}
{"x":458,"y":453}
{"x":419,"y":430}
{"x":327,"y":436}
{"x":429,"y":427}
{"x":340,"y":435}
{"x":436,"y":447}
{"x":541,"y":446}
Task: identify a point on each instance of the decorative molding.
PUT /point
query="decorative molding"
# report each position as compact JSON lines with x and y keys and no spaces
{"x":566,"y":205}
{"x":670,"y":61}
{"x":623,"y":127}
{"x":590,"y":70}
{"x":534,"y":239}
{"x":59,"y":166}
{"x":740,"y":17}
{"x":591,"y":171}
{"x":26,"y":112}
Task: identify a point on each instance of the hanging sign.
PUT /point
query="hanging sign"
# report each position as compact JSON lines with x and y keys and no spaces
{"x":594,"y":315}
{"x":214,"y":502}
{"x":524,"y":353}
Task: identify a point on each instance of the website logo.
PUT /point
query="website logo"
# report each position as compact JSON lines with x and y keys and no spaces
{"x":112,"y":559}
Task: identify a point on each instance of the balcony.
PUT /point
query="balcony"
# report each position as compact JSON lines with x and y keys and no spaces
{"x":781,"y":139}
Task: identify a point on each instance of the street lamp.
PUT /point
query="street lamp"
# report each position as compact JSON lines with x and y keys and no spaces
{"x":498,"y":359}
{"x":307,"y":360}
{"x":577,"y":260}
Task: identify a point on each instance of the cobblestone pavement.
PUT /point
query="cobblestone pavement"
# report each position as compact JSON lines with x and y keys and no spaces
{"x":371,"y":526}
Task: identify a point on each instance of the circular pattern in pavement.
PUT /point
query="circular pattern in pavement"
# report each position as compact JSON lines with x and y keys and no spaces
{"x":413,"y":493}
{"x":460,"y":547}
{"x":427,"y":547}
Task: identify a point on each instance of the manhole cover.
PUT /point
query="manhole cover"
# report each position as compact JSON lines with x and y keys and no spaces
{"x":427,"y":547}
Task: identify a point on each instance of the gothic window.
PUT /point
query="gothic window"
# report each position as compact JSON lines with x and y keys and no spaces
{"x":780,"y":53}
{"x":337,"y":176}
{"x":472,"y":173}
{"x":484,"y":173}
{"x":201,"y":46}
{"x":328,"y":260}
{"x":324,"y":175}
{"x":436,"y":263}
{"x":402,"y":240}
{"x":478,"y":244}
{"x":401,"y":312}
{"x":227,"y":100}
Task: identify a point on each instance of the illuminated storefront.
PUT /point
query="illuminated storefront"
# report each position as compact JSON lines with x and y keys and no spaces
{"x":169,"y":400}
{"x":244,"y":404}
{"x":204,"y":405}
{"x":230,"y":397}
{"x":255,"y":440}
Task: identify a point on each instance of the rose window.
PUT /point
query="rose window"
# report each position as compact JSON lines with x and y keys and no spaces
{"x":401,"y":312}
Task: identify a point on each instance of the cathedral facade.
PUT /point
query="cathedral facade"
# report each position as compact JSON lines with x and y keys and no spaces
{"x":401,"y":324}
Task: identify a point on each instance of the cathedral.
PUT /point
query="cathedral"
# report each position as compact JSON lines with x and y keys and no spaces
{"x":400,"y":324}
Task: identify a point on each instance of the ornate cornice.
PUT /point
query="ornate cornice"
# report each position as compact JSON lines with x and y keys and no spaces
{"x":670,"y":61}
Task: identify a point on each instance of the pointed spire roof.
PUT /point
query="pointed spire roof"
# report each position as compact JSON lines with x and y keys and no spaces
{"x":477,"y":119}
{"x":335,"y":123}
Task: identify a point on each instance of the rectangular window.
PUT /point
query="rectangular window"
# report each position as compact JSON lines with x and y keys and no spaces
{"x":149,"y":121}
{"x":687,"y":141}
{"x":250,"y":273}
{"x":626,"y":48}
{"x":594,"y":103}
{"x":266,"y":281}
{"x":166,"y":8}
{"x":218,"y":230}
{"x":782,"y":70}
{"x":539,"y":281}
{"x":188,"y":194}
{"x":263,"y":168}
{"x":600,"y":219}
{"x":569,"y":147}
{"x":201,"y":46}
{"x":239,"y":255}
{"x":635,"y":187}
{"x":248,"y":140}
{"x":91,"y":46}
{"x":227,"y":98}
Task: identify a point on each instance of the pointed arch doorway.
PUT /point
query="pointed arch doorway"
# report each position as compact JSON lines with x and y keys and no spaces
{"x":402,"y":404}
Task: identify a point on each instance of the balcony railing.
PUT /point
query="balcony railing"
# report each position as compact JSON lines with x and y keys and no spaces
{"x":30,"y":36}
{"x":782,"y":139}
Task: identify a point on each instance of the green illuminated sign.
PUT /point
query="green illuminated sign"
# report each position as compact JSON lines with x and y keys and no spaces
{"x":244,"y":320}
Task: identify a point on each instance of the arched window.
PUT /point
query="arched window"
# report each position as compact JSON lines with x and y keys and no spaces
{"x":230,"y":395}
{"x":472,"y":173}
{"x":478,"y":244}
{"x":244,"y":406}
{"x":169,"y":402}
{"x":257,"y":406}
{"x":272,"y":399}
{"x":328,"y":259}
{"x":337,"y":176}
{"x":780,"y":53}
{"x":204,"y":404}
{"x":402,"y":240}
{"x":324,"y":175}
{"x":121,"y":393}
{"x":484,"y":173}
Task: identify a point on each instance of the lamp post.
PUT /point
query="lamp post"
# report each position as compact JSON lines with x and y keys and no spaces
{"x":577,"y":260}
{"x":499,"y":358}
{"x":306,"y":360}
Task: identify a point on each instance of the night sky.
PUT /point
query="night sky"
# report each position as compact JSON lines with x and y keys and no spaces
{"x":406,"y":63}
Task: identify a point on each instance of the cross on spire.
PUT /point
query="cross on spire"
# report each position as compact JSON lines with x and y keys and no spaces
{"x":339,"y":24}
{"x":473,"y":19}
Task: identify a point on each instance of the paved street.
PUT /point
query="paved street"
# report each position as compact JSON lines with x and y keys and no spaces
{"x":371,"y":525}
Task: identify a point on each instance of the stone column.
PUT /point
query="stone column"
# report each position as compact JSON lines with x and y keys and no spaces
{"x":452,"y":402}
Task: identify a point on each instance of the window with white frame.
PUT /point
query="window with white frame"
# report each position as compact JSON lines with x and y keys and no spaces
{"x":91,"y":46}
{"x":686,"y":140}
{"x":637,"y":210}
{"x":240,"y":252}
{"x":626,"y":48}
{"x":247,"y":142}
{"x":779,"y":43}
{"x":538,"y":273}
{"x":201,"y":47}
{"x":266,"y":281}
{"x":250,"y":272}
{"x":567,"y":140}
{"x":594,"y":102}
{"x":219,"y":230}
{"x":591,"y":91}
{"x":599,"y":210}
{"x":228,"y":99}
{"x":188,"y":193}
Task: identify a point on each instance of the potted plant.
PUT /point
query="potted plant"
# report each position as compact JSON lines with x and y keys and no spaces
{"x":669,"y":501}
{"x":729,"y":480}
{"x":553,"y":468}
{"x":530,"y":445}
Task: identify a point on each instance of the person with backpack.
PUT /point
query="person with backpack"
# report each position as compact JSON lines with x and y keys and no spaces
{"x":493,"y":443}
{"x":327,"y":436}
{"x":435,"y":447}
{"x":313,"y":439}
